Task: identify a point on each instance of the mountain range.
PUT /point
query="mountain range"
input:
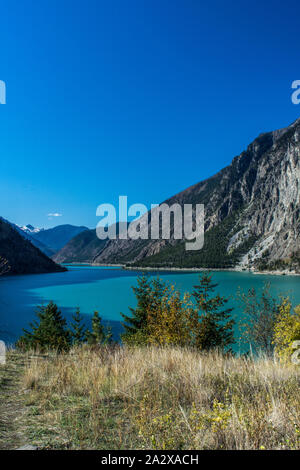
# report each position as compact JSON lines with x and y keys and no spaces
{"x":252,"y":216}
{"x":57,"y":237}
{"x":49,"y":241}
{"x":252,"y":221}
{"x":30,"y":228}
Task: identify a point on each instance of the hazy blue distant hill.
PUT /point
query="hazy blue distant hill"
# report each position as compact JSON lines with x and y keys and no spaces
{"x":57,"y":237}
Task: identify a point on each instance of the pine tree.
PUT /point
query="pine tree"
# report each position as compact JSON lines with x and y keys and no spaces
{"x":108,"y":335}
{"x":158,"y":289}
{"x":50,"y":332}
{"x":99,"y":334}
{"x":211,"y":325}
{"x":134,"y":323}
{"x":148,"y":294}
{"x":78,"y":329}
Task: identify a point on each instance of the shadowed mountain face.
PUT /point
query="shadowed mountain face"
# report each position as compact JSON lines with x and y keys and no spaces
{"x":251,"y":213}
{"x":57,"y":237}
{"x":85,"y":247}
{"x":22,"y":256}
{"x":27,"y":234}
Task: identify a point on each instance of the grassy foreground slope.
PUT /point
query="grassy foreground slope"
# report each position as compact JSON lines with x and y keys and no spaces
{"x":161,"y":398}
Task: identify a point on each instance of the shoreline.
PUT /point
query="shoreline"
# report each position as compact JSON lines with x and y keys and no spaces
{"x":236,"y":270}
{"x":188,"y":270}
{"x":277,"y":273}
{"x":94,"y":264}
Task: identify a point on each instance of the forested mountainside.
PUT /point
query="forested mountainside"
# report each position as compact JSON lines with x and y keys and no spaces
{"x":23,"y":257}
{"x":27,"y":234}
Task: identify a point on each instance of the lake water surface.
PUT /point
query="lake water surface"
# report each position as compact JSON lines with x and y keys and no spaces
{"x":108,"y":290}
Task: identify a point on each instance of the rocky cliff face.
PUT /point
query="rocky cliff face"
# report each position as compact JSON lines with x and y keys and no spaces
{"x":251,"y":212}
{"x":21,"y":255}
{"x":272,"y":211}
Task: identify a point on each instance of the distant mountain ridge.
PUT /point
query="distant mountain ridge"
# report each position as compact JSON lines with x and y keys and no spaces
{"x":57,"y":237}
{"x":84,"y":248}
{"x":22,"y":256}
{"x":252,"y":214}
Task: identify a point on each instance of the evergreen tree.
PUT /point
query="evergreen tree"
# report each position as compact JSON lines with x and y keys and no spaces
{"x":108,"y":335}
{"x":78,"y":329}
{"x":99,"y":334}
{"x":158,"y":289}
{"x":211,"y":324}
{"x":137,"y":321}
{"x":149,"y":295}
{"x":49,"y":332}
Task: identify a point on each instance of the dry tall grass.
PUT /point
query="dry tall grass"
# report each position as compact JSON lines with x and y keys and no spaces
{"x":121,"y":398}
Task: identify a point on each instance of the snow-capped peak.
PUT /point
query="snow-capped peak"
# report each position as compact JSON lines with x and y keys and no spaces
{"x":30,"y":229}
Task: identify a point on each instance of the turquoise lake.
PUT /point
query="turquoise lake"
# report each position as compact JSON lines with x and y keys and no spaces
{"x":108,"y":290}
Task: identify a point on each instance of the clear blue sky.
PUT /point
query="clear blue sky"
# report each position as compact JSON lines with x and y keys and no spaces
{"x":137,"y":98}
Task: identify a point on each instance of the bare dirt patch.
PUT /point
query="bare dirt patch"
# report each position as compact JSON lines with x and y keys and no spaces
{"x":12,"y":403}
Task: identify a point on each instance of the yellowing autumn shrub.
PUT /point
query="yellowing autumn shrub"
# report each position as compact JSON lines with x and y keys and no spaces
{"x":286,"y":330}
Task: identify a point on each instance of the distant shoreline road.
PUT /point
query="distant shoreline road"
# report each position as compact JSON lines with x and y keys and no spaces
{"x":149,"y":268}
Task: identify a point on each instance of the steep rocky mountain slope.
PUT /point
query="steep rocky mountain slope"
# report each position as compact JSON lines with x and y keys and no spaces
{"x":22,"y":256}
{"x":251,"y":213}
